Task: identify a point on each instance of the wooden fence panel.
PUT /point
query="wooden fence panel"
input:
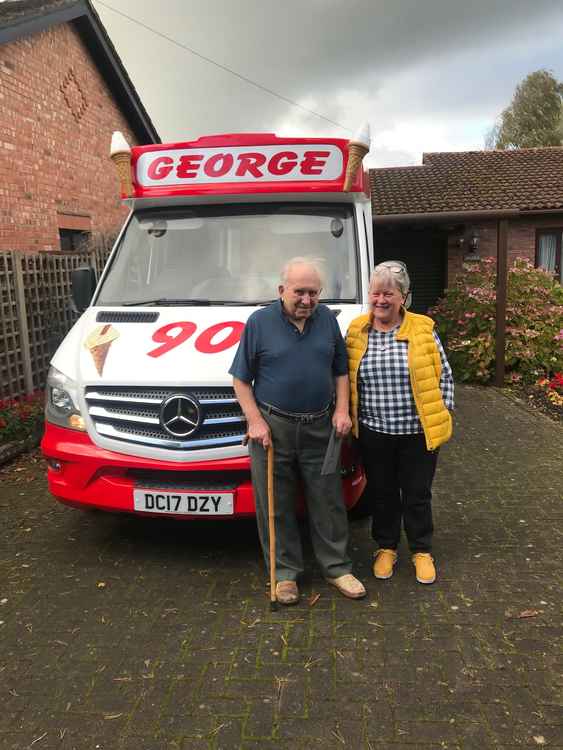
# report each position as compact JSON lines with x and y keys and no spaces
{"x":37,"y":312}
{"x":12,"y":378}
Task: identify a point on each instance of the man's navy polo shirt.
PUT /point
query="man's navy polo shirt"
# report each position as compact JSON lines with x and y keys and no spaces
{"x":290,"y":370}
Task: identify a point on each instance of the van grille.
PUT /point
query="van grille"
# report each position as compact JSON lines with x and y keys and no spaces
{"x":132,"y":415}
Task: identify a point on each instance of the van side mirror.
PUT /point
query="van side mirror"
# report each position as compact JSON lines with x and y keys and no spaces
{"x":83,"y":284}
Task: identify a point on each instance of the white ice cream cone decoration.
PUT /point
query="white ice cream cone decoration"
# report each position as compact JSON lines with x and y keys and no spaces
{"x":358,"y":147}
{"x":98,"y":344}
{"x":120,"y":154}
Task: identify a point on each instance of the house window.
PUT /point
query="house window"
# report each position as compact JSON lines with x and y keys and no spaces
{"x":73,"y":240}
{"x":548,"y":251}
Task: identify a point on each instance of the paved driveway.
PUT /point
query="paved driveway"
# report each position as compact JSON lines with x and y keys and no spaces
{"x":123,"y":633}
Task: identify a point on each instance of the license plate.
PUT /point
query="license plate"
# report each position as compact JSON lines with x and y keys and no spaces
{"x":184,"y":503}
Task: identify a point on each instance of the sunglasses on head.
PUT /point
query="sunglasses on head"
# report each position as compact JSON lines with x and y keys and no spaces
{"x":395,"y":266}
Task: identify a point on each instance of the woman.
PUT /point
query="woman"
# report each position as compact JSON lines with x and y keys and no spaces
{"x":401,"y":395}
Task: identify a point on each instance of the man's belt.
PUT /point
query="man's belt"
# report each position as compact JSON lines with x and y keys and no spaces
{"x":293,"y":416}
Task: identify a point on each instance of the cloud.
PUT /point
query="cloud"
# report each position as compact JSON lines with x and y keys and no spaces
{"x":429,"y":75}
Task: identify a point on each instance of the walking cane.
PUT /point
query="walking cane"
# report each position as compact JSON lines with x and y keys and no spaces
{"x":272,"y":527}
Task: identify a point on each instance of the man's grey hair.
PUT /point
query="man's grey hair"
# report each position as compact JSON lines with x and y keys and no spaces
{"x":392,"y":272}
{"x":316,"y":264}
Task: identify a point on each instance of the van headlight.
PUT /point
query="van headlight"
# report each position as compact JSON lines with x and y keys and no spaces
{"x":61,"y":401}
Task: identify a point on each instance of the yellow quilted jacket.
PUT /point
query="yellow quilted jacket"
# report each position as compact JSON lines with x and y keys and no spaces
{"x":425,"y":369}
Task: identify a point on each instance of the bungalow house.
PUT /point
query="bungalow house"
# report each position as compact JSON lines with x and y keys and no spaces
{"x":447,"y":211}
{"x":64,"y":90}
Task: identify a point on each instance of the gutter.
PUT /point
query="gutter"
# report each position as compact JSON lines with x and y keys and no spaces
{"x":461,"y":216}
{"x":445,"y":216}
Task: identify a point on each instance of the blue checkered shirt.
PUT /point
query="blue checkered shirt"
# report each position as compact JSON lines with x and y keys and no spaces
{"x":386,"y":399}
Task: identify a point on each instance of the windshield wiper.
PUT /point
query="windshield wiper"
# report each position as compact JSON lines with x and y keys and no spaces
{"x":249,"y":303}
{"x":166,"y":301}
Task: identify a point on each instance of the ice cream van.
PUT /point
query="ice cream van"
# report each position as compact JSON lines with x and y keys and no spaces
{"x":141,"y":416}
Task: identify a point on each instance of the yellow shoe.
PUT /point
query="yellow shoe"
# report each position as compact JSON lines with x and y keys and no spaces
{"x":383,"y":564}
{"x":424,"y":566}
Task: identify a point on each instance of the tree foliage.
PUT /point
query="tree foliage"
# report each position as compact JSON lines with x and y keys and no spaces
{"x":533,"y":118}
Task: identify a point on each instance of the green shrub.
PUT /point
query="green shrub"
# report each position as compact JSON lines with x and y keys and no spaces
{"x":21,"y":418}
{"x":466,"y":315}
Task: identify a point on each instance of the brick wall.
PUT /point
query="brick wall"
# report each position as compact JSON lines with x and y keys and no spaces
{"x":56,"y":121}
{"x":521,"y":240}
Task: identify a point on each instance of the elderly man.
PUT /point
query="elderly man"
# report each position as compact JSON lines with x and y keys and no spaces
{"x":290,"y":366}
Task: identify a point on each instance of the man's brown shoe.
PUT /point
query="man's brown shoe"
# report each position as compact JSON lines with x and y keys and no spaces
{"x":383,"y":563}
{"x":424,"y":567}
{"x":287,"y":592}
{"x":349,"y":586}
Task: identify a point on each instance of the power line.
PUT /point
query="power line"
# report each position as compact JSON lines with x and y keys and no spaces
{"x":223,"y":67}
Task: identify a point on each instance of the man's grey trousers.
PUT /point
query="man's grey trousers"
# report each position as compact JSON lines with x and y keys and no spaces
{"x":299,"y":451}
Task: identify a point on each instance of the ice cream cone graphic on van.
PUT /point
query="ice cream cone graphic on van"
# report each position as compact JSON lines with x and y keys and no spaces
{"x":98,"y":344}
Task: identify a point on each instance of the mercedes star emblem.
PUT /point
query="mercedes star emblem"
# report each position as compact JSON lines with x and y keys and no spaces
{"x":180,"y":415}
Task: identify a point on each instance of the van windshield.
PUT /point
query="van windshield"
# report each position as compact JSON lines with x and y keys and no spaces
{"x":234,"y":254}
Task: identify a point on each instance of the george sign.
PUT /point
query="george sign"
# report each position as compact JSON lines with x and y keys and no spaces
{"x":313,"y":162}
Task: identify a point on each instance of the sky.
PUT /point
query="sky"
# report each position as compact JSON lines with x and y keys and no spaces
{"x":428,"y":75}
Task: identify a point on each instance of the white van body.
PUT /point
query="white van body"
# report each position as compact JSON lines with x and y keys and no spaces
{"x":141,"y":413}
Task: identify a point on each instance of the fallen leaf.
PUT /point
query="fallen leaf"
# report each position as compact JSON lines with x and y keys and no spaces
{"x":101,"y":584}
{"x":217,"y":729}
{"x":44,"y":733}
{"x":529,"y":613}
{"x":113,"y":716}
{"x":310,"y":662}
{"x":250,"y":624}
{"x":539,"y":739}
{"x":338,"y":736}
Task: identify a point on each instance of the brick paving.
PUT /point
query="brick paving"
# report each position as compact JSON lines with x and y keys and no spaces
{"x":120,"y":633}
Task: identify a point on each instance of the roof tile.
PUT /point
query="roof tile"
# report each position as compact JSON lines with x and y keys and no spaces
{"x":524,"y":179}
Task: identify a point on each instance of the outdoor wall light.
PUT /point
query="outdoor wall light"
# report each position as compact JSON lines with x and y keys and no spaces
{"x":472,"y":253}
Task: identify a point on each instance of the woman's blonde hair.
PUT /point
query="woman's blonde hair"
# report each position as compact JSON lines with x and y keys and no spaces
{"x":393,"y":272}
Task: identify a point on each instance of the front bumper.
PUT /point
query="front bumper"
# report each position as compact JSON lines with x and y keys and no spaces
{"x":83,"y":475}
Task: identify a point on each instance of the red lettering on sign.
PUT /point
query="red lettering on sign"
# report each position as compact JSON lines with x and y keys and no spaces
{"x":282,"y":162}
{"x":250,"y":163}
{"x":160,"y":168}
{"x":218,"y":165}
{"x":162,"y":336}
{"x":314,"y":162}
{"x":204,"y":342}
{"x":188,"y":166}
